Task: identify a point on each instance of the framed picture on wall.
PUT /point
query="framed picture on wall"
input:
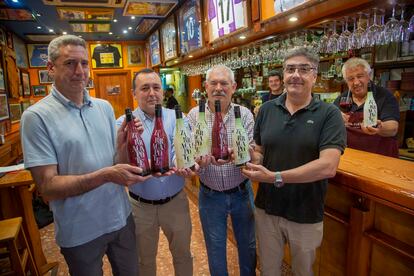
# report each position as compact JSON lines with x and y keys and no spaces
{"x":136,"y":55}
{"x":89,"y":85}
{"x":4,"y":107}
{"x":189,"y":24}
{"x":25,"y":83}
{"x":106,"y":55}
{"x":2,"y":84}
{"x":39,"y":90}
{"x":44,"y":77}
{"x":37,"y":55}
{"x":149,"y":8}
{"x":154,"y":44}
{"x":25,"y":104}
{"x":15,"y":112}
{"x":169,"y":39}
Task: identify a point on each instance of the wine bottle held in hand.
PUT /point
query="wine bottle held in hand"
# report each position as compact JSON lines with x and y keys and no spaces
{"x":219,"y":147}
{"x":202,"y":142}
{"x":184,"y":150}
{"x":240,"y":140}
{"x":159,"y":145}
{"x":370,"y":110}
{"x":137,"y":154}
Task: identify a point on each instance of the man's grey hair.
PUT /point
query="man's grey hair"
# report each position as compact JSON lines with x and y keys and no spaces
{"x":354,"y":62}
{"x":61,"y":41}
{"x":306,"y":52}
{"x":221,"y":66}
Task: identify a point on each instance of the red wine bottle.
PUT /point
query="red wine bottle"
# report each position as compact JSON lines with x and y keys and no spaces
{"x":159,"y":145}
{"x":219,"y":146}
{"x":137,"y":154}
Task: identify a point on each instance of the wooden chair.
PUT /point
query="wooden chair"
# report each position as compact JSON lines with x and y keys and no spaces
{"x":12,"y":238}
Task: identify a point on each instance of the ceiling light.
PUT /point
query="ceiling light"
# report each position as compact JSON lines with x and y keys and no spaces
{"x":64,"y":33}
{"x":129,"y":28}
{"x":115,"y":20}
{"x":39,"y":27}
{"x":124,"y":31}
{"x":242,"y":37}
{"x":190,"y":56}
{"x":110,"y":33}
{"x":293,"y":19}
{"x":175,"y":61}
{"x":15,"y":1}
{"x":132,"y":17}
{"x":50,"y":30}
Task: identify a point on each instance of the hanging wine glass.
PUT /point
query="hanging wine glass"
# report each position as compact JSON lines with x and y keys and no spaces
{"x":374,"y":31}
{"x":345,"y":37}
{"x":323,"y":43}
{"x":358,"y":32}
{"x":332,"y":46}
{"x":404,"y":31}
{"x":392,"y":28}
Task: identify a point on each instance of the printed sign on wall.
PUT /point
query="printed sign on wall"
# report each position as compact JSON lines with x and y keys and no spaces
{"x":189,"y":22}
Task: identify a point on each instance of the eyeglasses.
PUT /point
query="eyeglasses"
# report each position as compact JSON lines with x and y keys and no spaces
{"x":302,"y":69}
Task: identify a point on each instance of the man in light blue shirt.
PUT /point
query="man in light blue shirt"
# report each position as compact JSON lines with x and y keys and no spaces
{"x":69,"y":141}
{"x":159,"y":202}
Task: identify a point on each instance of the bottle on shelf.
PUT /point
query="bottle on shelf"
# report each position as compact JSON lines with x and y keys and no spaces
{"x":184,"y":150}
{"x":219,"y":147}
{"x":159,"y":144}
{"x":240,"y":140}
{"x":202,"y":142}
{"x":137,"y":154}
{"x":370,"y":109}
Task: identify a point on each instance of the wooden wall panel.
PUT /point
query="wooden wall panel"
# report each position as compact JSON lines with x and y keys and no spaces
{"x":384,"y":262}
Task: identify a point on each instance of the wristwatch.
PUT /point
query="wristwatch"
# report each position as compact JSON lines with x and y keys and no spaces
{"x":278,"y":180}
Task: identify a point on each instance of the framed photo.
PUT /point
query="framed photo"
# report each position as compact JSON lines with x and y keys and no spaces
{"x":2,"y":37}
{"x":2,"y":84}
{"x":89,"y":85}
{"x":25,"y":105}
{"x":37,"y":55}
{"x":169,"y":39}
{"x":90,"y":28}
{"x":15,"y":112}
{"x":154,"y":44}
{"x":145,"y":25}
{"x":225,"y":17}
{"x":4,"y":107}
{"x":16,"y":14}
{"x":21,"y":53}
{"x":84,"y":14}
{"x":149,"y":8}
{"x":105,"y":55}
{"x":9,"y":39}
{"x":270,"y":8}
{"x":136,"y":55}
{"x":25,"y":83}
{"x":189,"y":24}
{"x":44,"y":76}
{"x":39,"y":90}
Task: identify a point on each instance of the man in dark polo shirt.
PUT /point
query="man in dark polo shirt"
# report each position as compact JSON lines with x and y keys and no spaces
{"x":381,"y":139}
{"x":299,"y":142}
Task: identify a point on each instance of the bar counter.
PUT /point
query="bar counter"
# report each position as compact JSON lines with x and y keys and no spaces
{"x":369,"y":217}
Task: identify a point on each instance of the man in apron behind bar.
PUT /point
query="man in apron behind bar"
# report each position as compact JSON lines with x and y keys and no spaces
{"x":382,"y":138}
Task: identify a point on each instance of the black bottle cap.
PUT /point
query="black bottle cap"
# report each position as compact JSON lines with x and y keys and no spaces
{"x":178,"y":113}
{"x":128,"y":114}
{"x":158,"y":110}
{"x":217,"y":106}
{"x":237,"y":111}
{"x":202,"y":105}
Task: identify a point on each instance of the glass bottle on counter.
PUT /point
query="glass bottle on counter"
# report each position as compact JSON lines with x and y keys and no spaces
{"x":184,"y":150}
{"x":370,"y":109}
{"x":240,"y":140}
{"x":202,"y":142}
{"x":159,"y":144}
{"x":219,"y":146}
{"x":137,"y":154}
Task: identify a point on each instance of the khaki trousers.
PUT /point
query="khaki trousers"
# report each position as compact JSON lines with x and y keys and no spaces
{"x":173,"y":218}
{"x":274,"y":232}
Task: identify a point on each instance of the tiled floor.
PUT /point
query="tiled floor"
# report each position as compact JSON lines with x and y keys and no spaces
{"x":164,"y":260}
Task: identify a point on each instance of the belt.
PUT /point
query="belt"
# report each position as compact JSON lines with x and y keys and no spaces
{"x":153,"y":202}
{"x":241,"y":187}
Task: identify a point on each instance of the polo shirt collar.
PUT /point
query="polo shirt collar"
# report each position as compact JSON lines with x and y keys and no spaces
{"x":87,"y":99}
{"x":313,"y":105}
{"x":144,"y":115}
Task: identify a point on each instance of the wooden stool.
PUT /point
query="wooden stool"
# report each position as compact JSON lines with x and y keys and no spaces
{"x":12,"y":236}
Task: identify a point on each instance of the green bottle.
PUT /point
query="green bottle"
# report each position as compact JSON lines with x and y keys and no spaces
{"x":240,"y":140}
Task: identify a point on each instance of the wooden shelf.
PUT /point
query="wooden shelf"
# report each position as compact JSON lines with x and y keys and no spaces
{"x":394,"y":64}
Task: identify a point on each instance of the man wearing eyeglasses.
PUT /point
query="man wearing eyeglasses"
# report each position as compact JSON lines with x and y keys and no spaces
{"x":382,"y":138}
{"x":299,"y":142}
{"x":224,"y":191}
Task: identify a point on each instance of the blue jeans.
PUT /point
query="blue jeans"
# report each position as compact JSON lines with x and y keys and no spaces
{"x":214,"y":208}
